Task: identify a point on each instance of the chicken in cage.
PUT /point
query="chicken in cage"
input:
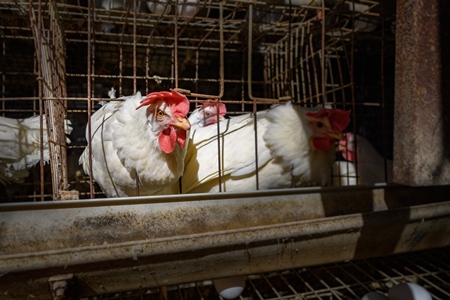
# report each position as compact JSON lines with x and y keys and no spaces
{"x":216,"y":150}
{"x":282,"y":44}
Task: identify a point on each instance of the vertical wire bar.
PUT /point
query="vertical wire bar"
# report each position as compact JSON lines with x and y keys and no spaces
{"x":4,"y":76}
{"x":255,"y":116}
{"x":313,"y":62}
{"x":89,"y":96}
{"x":352,"y":82}
{"x":172,"y":69}
{"x":302,"y":61}
{"x":222,"y":51}
{"x":197,"y":60}
{"x":269,"y":71}
{"x":330,"y":67}
{"x":134,"y":75}
{"x":308,"y":74}
{"x":120,"y":67}
{"x":322,"y":62}
{"x":291,"y":54}
{"x":147,"y":67}
{"x":383,"y":91}
{"x":134,"y":48}
{"x":219,"y":164}
{"x":276,"y":70}
{"x":296,"y":94}
{"x":176,"y":45}
{"x":282,"y":68}
{"x":288,"y":49}
{"x":37,"y":25}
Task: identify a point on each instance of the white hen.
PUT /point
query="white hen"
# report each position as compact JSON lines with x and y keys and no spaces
{"x":20,"y":146}
{"x":139,"y":136}
{"x":295,"y":147}
{"x":370,"y":164}
{"x":207,"y":114}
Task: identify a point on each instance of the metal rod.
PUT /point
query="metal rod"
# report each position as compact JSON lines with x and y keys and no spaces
{"x":89,"y":95}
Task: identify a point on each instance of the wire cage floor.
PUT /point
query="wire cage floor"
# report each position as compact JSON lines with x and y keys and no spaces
{"x":347,"y":280}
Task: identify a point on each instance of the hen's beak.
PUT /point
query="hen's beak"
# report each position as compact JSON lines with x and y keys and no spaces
{"x":336,"y":135}
{"x":182,"y":123}
{"x":342,"y":148}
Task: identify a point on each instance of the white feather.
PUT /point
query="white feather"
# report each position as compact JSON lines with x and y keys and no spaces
{"x":285,"y":155}
{"x":370,"y":164}
{"x":125,"y":144}
{"x":159,"y":7}
{"x":20,"y":146}
{"x":343,"y":174}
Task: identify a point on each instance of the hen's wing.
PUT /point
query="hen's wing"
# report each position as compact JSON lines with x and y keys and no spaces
{"x":237,"y":150}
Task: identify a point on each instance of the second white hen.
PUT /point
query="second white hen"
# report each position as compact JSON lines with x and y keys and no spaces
{"x":369,"y":163}
{"x":295,"y":147}
{"x":207,"y":114}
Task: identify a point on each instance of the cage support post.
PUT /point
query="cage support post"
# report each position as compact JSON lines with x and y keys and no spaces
{"x":422,"y":108}
{"x":51,"y":58}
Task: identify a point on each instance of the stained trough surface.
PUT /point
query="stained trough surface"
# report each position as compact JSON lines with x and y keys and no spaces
{"x":348,"y":280}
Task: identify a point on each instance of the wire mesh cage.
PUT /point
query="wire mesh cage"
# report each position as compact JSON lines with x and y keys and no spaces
{"x":61,"y":59}
{"x":64,"y":61}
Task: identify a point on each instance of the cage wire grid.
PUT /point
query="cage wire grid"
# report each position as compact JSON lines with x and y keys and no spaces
{"x":346,"y":280}
{"x":305,"y":53}
{"x":73,"y":53}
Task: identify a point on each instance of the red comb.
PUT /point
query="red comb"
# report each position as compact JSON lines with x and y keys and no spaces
{"x":339,"y":119}
{"x":222,"y":107}
{"x":178,"y":103}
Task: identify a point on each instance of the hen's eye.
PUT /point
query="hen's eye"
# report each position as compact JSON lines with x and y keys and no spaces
{"x":319,"y":124}
{"x":160,"y":113}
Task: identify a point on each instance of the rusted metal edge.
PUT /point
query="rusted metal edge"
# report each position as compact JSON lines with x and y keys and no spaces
{"x":196,"y":228}
{"x":391,"y":188}
{"x":183,"y":198}
{"x":307,"y":229}
{"x":193,"y":242}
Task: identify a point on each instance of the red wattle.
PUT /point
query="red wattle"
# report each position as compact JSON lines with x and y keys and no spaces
{"x":167,"y":140}
{"x":181,"y":138}
{"x":349,"y":155}
{"x":322,"y":144}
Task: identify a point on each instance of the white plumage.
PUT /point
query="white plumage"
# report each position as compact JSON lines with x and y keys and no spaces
{"x":159,"y":7}
{"x":369,"y":163}
{"x":143,"y":136}
{"x":287,"y":138}
{"x":186,"y":8}
{"x":20,"y":146}
{"x":343,"y":173}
